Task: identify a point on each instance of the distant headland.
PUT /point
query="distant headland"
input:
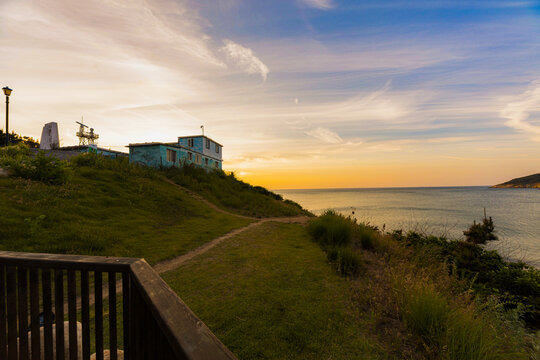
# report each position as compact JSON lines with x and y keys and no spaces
{"x":530,"y":181}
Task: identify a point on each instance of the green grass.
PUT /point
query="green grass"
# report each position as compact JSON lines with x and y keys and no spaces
{"x":106,"y":212}
{"x":228,"y":192}
{"x":269,"y":293}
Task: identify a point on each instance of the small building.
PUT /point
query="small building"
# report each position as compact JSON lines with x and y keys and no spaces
{"x":96,"y":150}
{"x":198,"y":150}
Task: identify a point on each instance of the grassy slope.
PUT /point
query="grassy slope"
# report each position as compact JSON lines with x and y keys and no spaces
{"x":227,"y":192}
{"x":104,"y":212}
{"x":270,"y":294}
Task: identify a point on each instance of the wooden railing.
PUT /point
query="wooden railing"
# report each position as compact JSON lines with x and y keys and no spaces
{"x":52,"y":308}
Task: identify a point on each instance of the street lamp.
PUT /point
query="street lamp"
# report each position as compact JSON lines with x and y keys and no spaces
{"x":7,"y":92}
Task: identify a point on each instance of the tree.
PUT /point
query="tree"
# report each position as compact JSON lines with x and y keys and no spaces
{"x":482,"y":232}
{"x":18,"y":139}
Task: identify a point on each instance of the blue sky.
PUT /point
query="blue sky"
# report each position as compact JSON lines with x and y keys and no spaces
{"x":302,"y":93}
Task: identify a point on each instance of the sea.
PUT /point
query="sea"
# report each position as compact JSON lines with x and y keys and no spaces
{"x":441,"y":211}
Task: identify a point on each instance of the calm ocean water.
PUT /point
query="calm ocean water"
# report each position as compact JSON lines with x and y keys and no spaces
{"x":441,"y":211}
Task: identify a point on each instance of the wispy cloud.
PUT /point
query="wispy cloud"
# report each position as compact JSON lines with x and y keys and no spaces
{"x":245,"y":59}
{"x":325,"y":135}
{"x":519,"y":112}
{"x":319,"y":4}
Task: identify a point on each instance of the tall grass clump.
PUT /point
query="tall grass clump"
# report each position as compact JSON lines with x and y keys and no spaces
{"x":345,"y":260}
{"x":331,"y":229}
{"x":470,"y":337}
{"x":334,"y":233}
{"x":426,"y":313}
{"x":453,"y":332}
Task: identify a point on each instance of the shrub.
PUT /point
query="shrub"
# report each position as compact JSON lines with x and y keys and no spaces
{"x":345,"y":260}
{"x":486,"y":270}
{"x":481,"y":233}
{"x":40,"y":167}
{"x":366,"y":236}
{"x":331,"y":229}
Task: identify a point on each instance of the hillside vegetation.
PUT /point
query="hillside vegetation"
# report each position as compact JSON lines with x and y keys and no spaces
{"x":530,"y":181}
{"x":371,"y":297}
{"x":226,"y":191}
{"x":97,"y":206}
{"x":334,"y":289}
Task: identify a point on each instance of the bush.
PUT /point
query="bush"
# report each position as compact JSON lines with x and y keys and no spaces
{"x":40,"y":167}
{"x":345,"y":260}
{"x":366,"y":236}
{"x":481,"y":233}
{"x":487,"y":272}
{"x":331,"y":229}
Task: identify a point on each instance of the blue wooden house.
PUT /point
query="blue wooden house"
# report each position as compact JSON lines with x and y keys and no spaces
{"x":198,"y":150}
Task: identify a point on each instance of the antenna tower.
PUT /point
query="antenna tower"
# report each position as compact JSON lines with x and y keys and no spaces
{"x":86,"y":137}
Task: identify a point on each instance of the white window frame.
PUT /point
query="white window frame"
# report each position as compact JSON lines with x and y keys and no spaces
{"x":171,"y":155}
{"x":217,"y":149}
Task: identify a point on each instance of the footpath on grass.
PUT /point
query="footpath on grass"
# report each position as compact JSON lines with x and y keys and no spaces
{"x":172,"y":264}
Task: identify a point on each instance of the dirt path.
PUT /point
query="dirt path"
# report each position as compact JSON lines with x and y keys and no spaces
{"x":172,"y":264}
{"x":168,"y":265}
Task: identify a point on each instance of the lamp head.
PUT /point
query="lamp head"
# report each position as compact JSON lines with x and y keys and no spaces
{"x":7,"y":91}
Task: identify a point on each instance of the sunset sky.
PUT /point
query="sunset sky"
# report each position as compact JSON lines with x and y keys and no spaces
{"x":301,"y":93}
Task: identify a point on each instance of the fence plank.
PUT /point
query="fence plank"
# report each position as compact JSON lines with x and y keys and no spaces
{"x":47,"y":315}
{"x":34,"y":314}
{"x":113,"y":345}
{"x":22,"y":284}
{"x":11,"y":282}
{"x":59,"y":308}
{"x":85,"y":315}
{"x":3,"y":318}
{"x":72,"y":315}
{"x":125,"y":314}
{"x":98,"y":304}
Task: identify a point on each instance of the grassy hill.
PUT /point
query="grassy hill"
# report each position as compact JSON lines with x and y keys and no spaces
{"x":96,"y":206}
{"x":531,"y":181}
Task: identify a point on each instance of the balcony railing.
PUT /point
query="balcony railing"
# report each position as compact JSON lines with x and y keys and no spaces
{"x":57,"y":307}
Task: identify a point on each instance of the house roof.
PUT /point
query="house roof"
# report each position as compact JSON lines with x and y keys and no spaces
{"x":203,"y":136}
{"x":174,"y":144}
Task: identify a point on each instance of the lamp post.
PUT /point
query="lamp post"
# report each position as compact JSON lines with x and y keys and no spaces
{"x":7,"y":92}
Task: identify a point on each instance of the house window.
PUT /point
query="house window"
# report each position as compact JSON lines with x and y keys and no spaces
{"x":190,"y":156}
{"x":206,"y":161}
{"x":190,"y":142}
{"x":217,"y":148}
{"x":216,"y":165}
{"x":171,"y":155}
{"x":198,"y":159}
{"x":207,"y":144}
